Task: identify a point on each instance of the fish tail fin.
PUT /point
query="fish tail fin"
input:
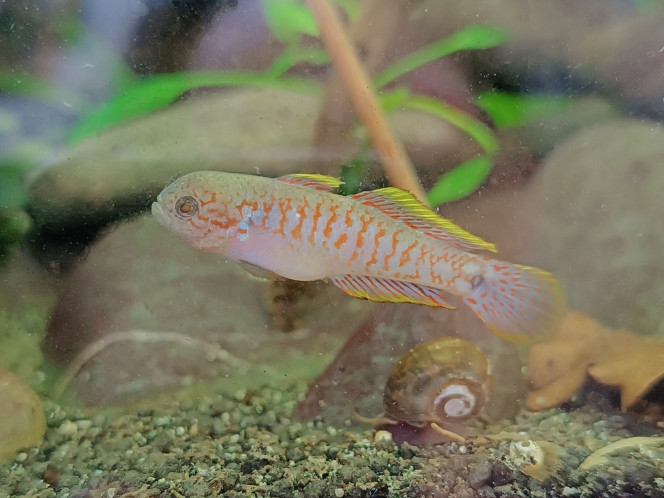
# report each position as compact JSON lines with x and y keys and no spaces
{"x":518,"y":303}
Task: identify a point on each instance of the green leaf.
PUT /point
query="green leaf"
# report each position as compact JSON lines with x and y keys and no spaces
{"x":512,"y":110}
{"x":288,"y":19}
{"x":352,"y":174}
{"x":153,"y":93}
{"x":14,"y":224}
{"x":469,"y":38}
{"x":481,"y":133}
{"x":12,"y":194}
{"x":394,"y":99}
{"x":293,"y":55}
{"x":461,"y":181}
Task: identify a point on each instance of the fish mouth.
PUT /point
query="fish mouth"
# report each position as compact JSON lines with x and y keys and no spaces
{"x":158,"y":212}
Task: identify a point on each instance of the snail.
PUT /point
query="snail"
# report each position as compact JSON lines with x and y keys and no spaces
{"x":439,"y":383}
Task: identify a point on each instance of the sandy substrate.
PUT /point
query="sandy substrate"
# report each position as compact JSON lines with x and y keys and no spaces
{"x":198,"y":442}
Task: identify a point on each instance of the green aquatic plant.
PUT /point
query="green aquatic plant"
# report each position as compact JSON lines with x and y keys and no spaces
{"x":290,"y":21}
{"x":468,"y":176}
{"x":509,"y":110}
{"x":155,"y":92}
{"x":20,"y":335}
{"x":14,"y":221}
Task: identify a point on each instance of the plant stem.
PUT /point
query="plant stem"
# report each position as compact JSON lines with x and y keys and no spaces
{"x":396,"y":163}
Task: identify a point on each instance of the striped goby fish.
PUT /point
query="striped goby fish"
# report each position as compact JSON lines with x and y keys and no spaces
{"x":381,"y":245}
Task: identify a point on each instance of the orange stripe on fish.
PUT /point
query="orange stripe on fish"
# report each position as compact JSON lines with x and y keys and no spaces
{"x":339,"y":242}
{"x":364,"y":220}
{"x":314,"y":224}
{"x":382,"y":245}
{"x":405,"y":256}
{"x":348,"y":220}
{"x":211,"y":200}
{"x":373,"y":259}
{"x":327,"y":231}
{"x":391,"y":254}
{"x":296,"y":232}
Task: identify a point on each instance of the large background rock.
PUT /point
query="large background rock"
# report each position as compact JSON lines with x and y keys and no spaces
{"x":357,"y":377}
{"x":593,"y":215}
{"x":139,"y":277}
{"x":266,"y":131}
{"x":604,"y":46}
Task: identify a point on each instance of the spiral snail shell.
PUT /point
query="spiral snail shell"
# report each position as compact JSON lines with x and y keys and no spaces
{"x":443,"y":381}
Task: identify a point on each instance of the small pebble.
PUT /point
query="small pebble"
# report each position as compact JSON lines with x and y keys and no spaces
{"x":83,"y":424}
{"x":382,"y":436}
{"x":22,"y":420}
{"x":338,"y":492}
{"x":161,"y":421}
{"x":51,"y":475}
{"x":480,"y":474}
{"x":501,"y":474}
{"x":68,"y":428}
{"x":486,"y":492}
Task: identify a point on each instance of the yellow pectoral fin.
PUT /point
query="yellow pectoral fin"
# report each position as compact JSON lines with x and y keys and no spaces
{"x":392,"y":291}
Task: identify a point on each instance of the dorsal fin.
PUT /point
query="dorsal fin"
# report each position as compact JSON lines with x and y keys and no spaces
{"x":317,"y":182}
{"x":403,"y":206}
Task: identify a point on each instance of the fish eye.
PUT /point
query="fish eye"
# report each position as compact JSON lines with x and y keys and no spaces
{"x":186,"y":206}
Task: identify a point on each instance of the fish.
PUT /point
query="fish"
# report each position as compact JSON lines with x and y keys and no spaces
{"x":382,"y":245}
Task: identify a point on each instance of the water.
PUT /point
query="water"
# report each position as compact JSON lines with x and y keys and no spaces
{"x":135,"y":364}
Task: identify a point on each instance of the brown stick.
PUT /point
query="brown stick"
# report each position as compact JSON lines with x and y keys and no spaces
{"x":379,"y":25}
{"x":397,"y":166}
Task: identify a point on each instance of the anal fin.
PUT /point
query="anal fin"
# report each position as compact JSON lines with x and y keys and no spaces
{"x":392,"y":291}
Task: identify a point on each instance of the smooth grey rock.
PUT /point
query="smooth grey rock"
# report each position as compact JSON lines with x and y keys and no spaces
{"x":606,"y":46}
{"x":180,"y":307}
{"x":593,"y":215}
{"x":255,"y":131}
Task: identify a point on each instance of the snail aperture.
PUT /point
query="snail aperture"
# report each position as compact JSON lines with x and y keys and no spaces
{"x":443,"y":381}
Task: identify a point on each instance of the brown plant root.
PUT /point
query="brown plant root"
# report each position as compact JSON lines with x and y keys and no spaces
{"x":392,"y":154}
{"x":444,"y":432}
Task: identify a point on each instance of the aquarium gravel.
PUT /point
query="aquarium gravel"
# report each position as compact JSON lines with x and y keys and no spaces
{"x":246,"y":444}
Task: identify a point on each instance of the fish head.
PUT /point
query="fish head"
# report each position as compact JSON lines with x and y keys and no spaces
{"x":199,"y":209}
